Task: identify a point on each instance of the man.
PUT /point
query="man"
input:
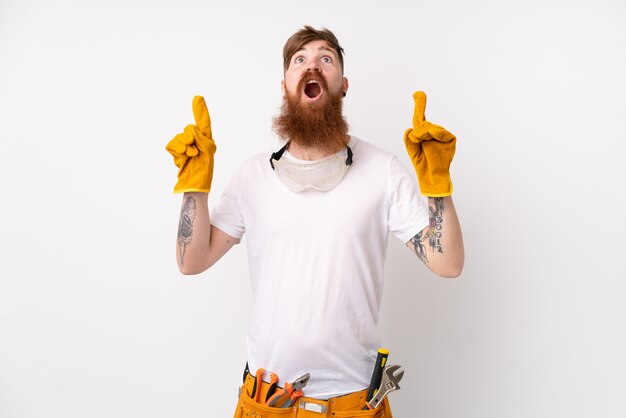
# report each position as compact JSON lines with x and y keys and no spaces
{"x":317,"y":214}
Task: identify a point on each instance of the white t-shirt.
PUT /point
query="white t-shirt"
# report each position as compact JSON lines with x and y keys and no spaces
{"x":316,"y":265}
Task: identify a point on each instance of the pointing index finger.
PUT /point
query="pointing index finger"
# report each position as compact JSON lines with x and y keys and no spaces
{"x":201,"y":115}
{"x":420,"y":107}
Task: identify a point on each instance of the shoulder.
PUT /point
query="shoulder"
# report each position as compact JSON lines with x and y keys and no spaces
{"x":382,"y":161}
{"x":368,"y":148}
{"x":254,"y":165}
{"x":257,"y":161}
{"x":372,"y":158}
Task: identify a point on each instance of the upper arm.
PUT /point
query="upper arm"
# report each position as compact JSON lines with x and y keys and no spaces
{"x":219,"y":245}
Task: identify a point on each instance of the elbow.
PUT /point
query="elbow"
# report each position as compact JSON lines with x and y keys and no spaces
{"x":186,"y":271}
{"x":451,"y":270}
{"x":190,"y":270}
{"x":451,"y":274}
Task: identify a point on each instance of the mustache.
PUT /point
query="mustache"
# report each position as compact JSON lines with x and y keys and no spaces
{"x":311,"y":75}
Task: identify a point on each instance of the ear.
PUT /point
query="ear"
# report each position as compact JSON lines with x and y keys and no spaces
{"x":282,"y":86}
{"x":345,"y":85}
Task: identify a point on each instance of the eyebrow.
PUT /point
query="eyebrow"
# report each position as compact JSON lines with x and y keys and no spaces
{"x":325,"y":48}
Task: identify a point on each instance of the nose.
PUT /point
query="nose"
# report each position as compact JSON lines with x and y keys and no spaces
{"x":313,"y":66}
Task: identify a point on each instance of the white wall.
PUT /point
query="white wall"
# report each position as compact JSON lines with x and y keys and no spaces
{"x":95,"y":319}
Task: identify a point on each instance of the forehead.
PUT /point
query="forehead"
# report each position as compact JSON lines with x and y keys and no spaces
{"x":318,"y":45}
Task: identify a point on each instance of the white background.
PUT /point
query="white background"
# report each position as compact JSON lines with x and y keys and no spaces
{"x":95,"y":319}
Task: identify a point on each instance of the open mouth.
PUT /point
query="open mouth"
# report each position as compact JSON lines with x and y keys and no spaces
{"x":312,"y":89}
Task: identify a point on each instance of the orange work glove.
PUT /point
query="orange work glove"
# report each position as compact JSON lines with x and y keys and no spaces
{"x":431,"y":148}
{"x":193,"y":152}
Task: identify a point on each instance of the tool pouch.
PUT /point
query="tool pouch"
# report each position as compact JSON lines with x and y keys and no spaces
{"x":249,"y":408}
{"x":348,"y":406}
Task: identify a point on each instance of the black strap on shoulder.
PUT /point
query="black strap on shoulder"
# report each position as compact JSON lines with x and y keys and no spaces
{"x":349,"y":159}
{"x":276,"y":155}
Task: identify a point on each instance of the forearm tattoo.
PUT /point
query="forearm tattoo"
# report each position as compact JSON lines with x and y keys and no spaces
{"x":420,"y":249}
{"x":435,"y":215}
{"x":185,"y":227}
{"x":435,"y":209}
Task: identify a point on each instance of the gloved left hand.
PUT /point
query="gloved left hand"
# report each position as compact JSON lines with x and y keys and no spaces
{"x":193,"y":152}
{"x":431,"y":149}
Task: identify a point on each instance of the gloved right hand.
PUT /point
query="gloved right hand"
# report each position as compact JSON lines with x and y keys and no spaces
{"x":193,"y":152}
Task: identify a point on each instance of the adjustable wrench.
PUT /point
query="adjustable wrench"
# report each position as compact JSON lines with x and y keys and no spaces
{"x":390,"y":382}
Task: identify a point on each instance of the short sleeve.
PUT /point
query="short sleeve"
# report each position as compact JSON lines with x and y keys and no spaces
{"x":408,"y":209}
{"x":227,"y":215}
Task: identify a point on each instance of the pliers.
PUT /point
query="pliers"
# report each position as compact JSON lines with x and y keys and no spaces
{"x":258,"y":381}
{"x":290,"y":393}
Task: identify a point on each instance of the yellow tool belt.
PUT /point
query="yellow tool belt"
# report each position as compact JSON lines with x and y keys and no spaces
{"x":340,"y":407}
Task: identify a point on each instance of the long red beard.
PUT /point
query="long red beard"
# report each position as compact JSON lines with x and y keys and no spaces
{"x":320,"y":126}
